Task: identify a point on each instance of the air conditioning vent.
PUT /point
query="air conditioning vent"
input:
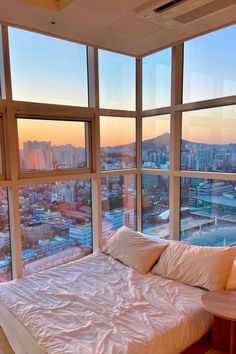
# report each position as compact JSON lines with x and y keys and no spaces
{"x":175,"y":13}
{"x":204,"y":10}
{"x":168,"y":5}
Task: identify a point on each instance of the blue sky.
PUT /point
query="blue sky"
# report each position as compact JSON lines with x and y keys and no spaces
{"x":50,"y":70}
{"x":46,"y":69}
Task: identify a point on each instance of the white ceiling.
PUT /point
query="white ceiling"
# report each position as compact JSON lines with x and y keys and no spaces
{"x":109,"y":24}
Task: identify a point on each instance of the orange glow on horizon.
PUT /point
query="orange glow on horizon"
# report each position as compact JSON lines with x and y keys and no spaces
{"x":210,"y":126}
{"x":55,"y":131}
{"x":117,"y":131}
{"x":155,"y":126}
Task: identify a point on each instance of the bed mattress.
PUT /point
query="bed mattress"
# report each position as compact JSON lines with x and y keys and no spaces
{"x":98,"y":305}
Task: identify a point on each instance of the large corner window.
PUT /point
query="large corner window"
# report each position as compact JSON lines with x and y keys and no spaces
{"x":5,"y":244}
{"x":47,"y":145}
{"x":118,"y":203}
{"x":56,"y":223}
{"x":209,"y":66}
{"x":208,"y":212}
{"x":47,"y":70}
{"x":118,"y":143}
{"x":116,"y":81}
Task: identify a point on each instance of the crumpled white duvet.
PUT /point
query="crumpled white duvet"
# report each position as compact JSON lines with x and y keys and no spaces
{"x":98,"y":305}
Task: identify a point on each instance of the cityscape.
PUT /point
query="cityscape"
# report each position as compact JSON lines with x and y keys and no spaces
{"x":56,"y":218}
{"x":44,"y":156}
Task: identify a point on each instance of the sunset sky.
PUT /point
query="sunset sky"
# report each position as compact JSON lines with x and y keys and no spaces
{"x":57,"y":132}
{"x":155,"y":126}
{"x":50,"y":70}
{"x":212,"y":126}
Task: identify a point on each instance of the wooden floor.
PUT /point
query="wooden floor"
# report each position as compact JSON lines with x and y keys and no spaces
{"x":4,"y":345}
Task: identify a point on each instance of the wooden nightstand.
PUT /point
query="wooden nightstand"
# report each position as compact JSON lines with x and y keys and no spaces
{"x":222,"y":304}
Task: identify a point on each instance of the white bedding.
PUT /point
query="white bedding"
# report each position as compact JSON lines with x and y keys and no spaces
{"x":98,"y":305}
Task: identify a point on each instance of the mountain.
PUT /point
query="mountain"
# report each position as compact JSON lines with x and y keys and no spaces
{"x":161,"y":140}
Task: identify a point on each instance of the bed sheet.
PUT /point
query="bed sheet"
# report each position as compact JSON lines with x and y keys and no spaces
{"x":99,"y":305}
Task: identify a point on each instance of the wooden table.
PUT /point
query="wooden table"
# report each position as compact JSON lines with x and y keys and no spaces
{"x":222,"y":304}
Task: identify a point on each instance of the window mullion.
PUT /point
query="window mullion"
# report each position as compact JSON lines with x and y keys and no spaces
{"x":11,"y":143}
{"x":93,"y":95}
{"x":175,"y":140}
{"x":139,"y":142}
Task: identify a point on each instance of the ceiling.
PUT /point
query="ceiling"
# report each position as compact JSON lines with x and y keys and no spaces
{"x":109,"y":24}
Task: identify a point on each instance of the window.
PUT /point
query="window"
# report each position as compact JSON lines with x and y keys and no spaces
{"x":118,"y":203}
{"x":156,"y":142}
{"x":209,"y":140}
{"x":208,"y":211}
{"x":1,"y":148}
{"x":47,"y":145}
{"x":5,"y":244}
{"x":57,"y":171}
{"x":209,"y":66}
{"x":118,"y":143}
{"x":155,"y":205}
{"x":2,"y":76}
{"x":46,"y":69}
{"x":117,"y":83}
{"x":156,"y":79}
{"x":55,"y":223}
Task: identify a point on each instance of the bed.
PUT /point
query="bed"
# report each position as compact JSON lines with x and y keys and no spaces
{"x":99,"y":305}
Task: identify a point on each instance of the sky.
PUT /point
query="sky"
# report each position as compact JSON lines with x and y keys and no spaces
{"x":155,"y":126}
{"x":57,"y":132}
{"x":212,"y":126}
{"x":50,"y":70}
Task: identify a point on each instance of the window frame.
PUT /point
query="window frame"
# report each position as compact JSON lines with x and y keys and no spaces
{"x":60,"y":172}
{"x":12,"y":179}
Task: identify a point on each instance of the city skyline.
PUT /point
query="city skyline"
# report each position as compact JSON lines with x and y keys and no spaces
{"x":42,"y":155}
{"x":127,"y":140}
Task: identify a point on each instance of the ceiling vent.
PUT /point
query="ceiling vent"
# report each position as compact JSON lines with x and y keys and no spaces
{"x":168,"y":6}
{"x":56,"y":5}
{"x":175,"y":13}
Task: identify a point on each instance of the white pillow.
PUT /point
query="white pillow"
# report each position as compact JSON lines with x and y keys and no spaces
{"x":231,"y":283}
{"x":134,"y":249}
{"x":206,"y":267}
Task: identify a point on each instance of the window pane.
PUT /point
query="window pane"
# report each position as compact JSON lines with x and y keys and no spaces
{"x":5,"y":246}
{"x":51,"y":144}
{"x":55,"y":223}
{"x":118,"y":143}
{"x":156,"y":142}
{"x":155,"y":205}
{"x":117,"y":82}
{"x":2,"y":78}
{"x":118,"y":203}
{"x":209,"y":140}
{"x":209,"y":66}
{"x":157,"y":79}
{"x":46,"y":69}
{"x":1,"y":153}
{"x":208,"y":212}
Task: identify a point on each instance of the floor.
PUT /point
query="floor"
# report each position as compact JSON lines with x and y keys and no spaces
{"x":4,"y":345}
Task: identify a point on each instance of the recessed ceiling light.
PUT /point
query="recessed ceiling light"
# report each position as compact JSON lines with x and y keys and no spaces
{"x":56,"y":5}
